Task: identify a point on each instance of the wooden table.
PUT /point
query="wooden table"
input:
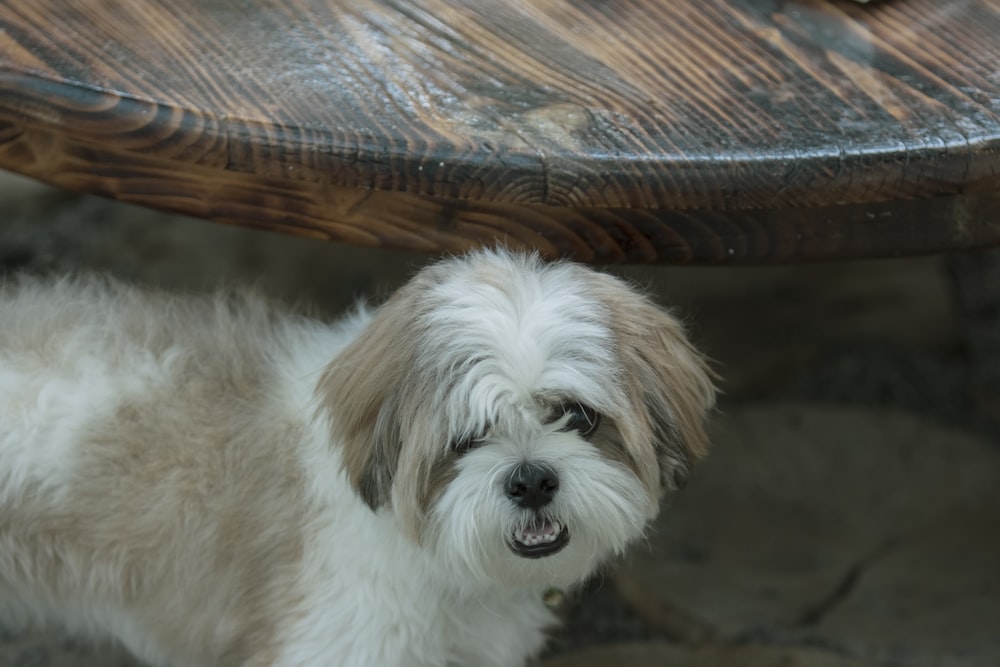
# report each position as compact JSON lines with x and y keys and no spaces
{"x":738,"y":131}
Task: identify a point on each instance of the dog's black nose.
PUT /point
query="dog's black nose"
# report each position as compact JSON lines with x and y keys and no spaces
{"x":532,"y":485}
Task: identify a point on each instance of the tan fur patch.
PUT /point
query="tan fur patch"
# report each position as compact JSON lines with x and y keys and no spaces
{"x":669,"y":383}
{"x":376,"y":398}
{"x":362,"y":390}
{"x":442,"y":473}
{"x":197,"y":537}
{"x":185,"y":505}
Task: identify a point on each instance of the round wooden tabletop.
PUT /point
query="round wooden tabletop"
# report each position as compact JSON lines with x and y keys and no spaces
{"x":626,"y":130}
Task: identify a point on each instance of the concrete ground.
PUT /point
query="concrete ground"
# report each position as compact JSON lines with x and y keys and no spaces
{"x":849,"y":515}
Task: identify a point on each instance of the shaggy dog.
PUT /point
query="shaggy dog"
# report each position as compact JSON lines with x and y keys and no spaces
{"x":213,"y":482}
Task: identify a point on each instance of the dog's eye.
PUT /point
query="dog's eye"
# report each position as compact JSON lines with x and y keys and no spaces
{"x":465,"y":444}
{"x":580,"y":418}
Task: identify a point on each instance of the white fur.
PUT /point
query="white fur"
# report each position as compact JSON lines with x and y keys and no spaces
{"x":170,"y":475}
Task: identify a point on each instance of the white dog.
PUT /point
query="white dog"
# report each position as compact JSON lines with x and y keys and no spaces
{"x":212,"y":483}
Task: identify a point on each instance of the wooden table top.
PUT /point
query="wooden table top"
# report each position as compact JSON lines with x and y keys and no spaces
{"x":633,"y":130}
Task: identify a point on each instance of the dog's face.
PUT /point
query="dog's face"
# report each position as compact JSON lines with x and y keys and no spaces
{"x":521,"y":419}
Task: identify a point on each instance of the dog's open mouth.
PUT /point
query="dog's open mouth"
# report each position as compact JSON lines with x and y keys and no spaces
{"x":543,"y":537}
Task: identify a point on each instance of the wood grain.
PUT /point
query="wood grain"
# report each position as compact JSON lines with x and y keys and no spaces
{"x":635,"y":130}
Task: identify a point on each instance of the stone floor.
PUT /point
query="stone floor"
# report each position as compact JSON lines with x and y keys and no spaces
{"x":848,"y":517}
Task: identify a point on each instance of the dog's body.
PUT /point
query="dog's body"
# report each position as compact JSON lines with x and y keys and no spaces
{"x":213,"y":483}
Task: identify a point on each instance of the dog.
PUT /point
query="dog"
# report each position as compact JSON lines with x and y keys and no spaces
{"x":212,"y":481}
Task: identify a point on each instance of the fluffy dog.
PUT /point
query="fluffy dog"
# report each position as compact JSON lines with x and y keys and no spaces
{"x":211,"y":482}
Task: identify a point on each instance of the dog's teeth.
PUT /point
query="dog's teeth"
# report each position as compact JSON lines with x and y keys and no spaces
{"x":534,"y":536}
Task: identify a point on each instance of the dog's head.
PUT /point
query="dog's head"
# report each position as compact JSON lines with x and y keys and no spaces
{"x":521,"y":418}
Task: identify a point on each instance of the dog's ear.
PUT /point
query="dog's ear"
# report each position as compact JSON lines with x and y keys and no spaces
{"x":362,"y":391}
{"x":668,"y":382}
